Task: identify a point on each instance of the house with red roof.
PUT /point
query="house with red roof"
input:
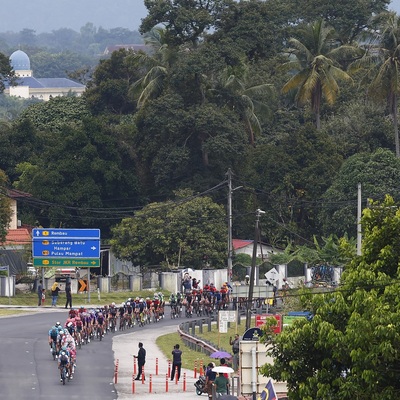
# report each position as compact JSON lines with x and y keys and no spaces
{"x":241,"y":246}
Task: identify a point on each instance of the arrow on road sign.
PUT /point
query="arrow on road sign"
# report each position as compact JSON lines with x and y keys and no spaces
{"x":82,"y":285}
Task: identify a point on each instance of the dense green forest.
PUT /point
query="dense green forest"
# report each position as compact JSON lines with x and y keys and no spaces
{"x":298,"y":99}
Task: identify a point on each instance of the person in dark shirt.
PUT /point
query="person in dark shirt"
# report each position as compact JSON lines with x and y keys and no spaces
{"x":210,"y":378}
{"x":39,"y":292}
{"x":141,"y":357}
{"x":68,"y":293}
{"x":176,"y":362}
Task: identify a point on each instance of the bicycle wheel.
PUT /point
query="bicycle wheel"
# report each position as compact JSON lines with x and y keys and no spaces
{"x":64,"y":375}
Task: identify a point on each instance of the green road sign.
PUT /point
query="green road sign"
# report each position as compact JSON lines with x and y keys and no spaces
{"x":67,"y":262}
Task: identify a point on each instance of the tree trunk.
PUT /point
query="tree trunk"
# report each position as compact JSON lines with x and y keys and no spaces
{"x":396,"y":128}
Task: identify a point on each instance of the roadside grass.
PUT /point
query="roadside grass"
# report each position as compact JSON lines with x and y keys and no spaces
{"x":167,"y":342}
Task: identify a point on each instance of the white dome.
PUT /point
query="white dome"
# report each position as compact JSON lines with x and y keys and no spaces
{"x":20,"y":61}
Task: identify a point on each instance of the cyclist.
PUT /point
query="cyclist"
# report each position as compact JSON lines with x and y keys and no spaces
{"x":173,"y":304}
{"x":53,"y":333}
{"x":112,"y":311}
{"x":63,"y":361}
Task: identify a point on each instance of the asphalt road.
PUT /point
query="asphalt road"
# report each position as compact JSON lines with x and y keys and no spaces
{"x":27,"y":369}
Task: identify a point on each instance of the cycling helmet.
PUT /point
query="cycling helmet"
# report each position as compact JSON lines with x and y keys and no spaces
{"x":63,"y":353}
{"x":70,"y":324}
{"x":113,"y":304}
{"x":137,"y":298}
{"x":128,"y":303}
{"x":58,"y":324}
{"x":62,"y":332}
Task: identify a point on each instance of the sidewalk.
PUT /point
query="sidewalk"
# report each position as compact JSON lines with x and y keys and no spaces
{"x":126,"y":345}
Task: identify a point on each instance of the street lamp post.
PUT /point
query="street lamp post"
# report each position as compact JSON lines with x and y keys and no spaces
{"x":253,"y":268}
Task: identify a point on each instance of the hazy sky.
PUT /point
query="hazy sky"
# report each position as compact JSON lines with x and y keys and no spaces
{"x":48,"y":15}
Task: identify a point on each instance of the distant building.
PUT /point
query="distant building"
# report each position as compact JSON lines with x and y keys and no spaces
{"x":246,"y":247}
{"x":135,"y":47}
{"x":40,"y":88}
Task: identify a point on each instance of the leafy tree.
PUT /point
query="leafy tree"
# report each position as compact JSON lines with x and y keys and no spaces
{"x":6,"y":72}
{"x":382,"y":63}
{"x":199,"y":144}
{"x":78,"y":176}
{"x":349,"y":348}
{"x":287,"y":183}
{"x":59,"y":111}
{"x":317,"y":69}
{"x":5,"y":207}
{"x":108,"y":91}
{"x":348,"y":18}
{"x":254,"y":28}
{"x":378,"y":174}
{"x":188,"y":231}
{"x":184,"y":21}
{"x":357,"y":126}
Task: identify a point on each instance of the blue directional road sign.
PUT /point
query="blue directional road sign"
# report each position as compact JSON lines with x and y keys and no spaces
{"x":66,"y":243}
{"x":58,"y":233}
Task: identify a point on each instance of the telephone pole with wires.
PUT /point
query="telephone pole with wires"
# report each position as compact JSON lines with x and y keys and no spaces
{"x":253,"y":267}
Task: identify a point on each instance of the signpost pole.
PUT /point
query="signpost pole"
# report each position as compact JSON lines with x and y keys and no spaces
{"x":88,"y":285}
{"x":9,"y":285}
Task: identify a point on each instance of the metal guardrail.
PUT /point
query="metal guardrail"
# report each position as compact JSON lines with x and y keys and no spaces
{"x":192,"y":340}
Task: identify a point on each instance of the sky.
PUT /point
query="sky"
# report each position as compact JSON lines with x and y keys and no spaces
{"x":49,"y":15}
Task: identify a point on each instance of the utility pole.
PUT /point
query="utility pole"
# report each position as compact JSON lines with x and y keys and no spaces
{"x":230,"y":245}
{"x":253,"y":268}
{"x":359,"y":234}
{"x":230,"y":250}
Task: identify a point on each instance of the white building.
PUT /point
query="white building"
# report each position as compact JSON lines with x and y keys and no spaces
{"x":41,"y":88}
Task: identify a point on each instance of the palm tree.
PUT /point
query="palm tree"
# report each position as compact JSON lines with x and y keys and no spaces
{"x":382,"y":62}
{"x":155,"y":66}
{"x":246,"y":100}
{"x":318,"y":72}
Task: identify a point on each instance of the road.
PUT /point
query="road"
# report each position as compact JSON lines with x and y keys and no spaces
{"x":27,"y":370}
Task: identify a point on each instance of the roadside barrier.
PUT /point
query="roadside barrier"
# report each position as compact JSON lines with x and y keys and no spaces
{"x":143,"y":377}
{"x":184,"y":381}
{"x":176,"y":375}
{"x":156,"y":366}
{"x":195,"y":369}
{"x":133,"y":383}
{"x":169,"y":367}
{"x":166,"y":383}
{"x":150,"y":384}
{"x":116,"y":371}
{"x":134,"y":366}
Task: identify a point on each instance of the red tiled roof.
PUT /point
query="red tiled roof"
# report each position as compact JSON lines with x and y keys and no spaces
{"x":17,"y":194}
{"x":19,"y":236}
{"x":239,"y":243}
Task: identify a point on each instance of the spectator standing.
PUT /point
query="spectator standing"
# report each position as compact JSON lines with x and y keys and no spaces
{"x":210,"y":378}
{"x":176,"y":362}
{"x":55,"y":289}
{"x":68,"y":294}
{"x":141,"y":358}
{"x":221,"y":384}
{"x":235,"y":350}
{"x":39,"y":292}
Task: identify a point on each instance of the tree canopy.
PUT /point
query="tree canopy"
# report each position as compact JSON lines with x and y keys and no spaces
{"x":349,"y":348}
{"x":188,"y":231}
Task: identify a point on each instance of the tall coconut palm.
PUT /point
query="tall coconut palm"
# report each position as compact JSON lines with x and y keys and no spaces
{"x":249,"y":101}
{"x":382,"y":61}
{"x":316,"y":62}
{"x":155,"y":67}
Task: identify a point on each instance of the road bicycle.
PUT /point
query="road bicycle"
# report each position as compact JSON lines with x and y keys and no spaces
{"x":64,"y":374}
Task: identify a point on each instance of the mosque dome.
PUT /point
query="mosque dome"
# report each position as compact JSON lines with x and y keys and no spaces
{"x":20,"y":61}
